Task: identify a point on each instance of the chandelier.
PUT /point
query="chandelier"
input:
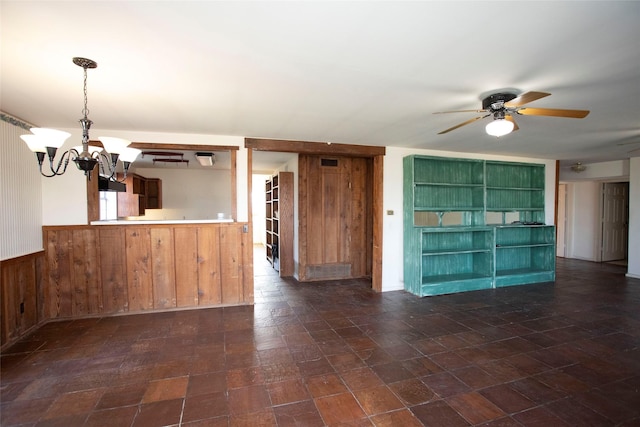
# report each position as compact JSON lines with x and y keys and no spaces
{"x":86,"y":157}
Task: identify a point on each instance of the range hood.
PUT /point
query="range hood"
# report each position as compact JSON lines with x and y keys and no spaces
{"x":105,"y":184}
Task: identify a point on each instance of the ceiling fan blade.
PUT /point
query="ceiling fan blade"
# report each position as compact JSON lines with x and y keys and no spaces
{"x":463,"y":124}
{"x":525,"y":98}
{"x":460,"y":111}
{"x":515,"y":125}
{"x":554,"y":112}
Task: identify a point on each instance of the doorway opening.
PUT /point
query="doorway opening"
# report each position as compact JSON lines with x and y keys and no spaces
{"x":614,"y":234}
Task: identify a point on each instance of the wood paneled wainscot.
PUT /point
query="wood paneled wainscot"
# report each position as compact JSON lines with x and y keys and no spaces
{"x":20,"y":294}
{"x":109,"y":269}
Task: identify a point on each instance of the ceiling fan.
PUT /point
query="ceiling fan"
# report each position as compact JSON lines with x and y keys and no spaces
{"x":503,"y":106}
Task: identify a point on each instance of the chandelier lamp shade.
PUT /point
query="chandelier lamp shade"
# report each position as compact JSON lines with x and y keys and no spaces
{"x":47,"y":141}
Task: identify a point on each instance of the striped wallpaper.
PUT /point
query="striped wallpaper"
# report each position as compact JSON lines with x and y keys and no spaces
{"x":20,"y":193}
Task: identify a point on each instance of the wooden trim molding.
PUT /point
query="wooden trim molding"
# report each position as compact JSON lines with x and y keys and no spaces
{"x":169,"y":146}
{"x":313,"y":148}
{"x":378,"y":213}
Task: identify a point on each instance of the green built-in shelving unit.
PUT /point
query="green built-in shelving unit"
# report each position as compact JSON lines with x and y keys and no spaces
{"x":474,"y":224}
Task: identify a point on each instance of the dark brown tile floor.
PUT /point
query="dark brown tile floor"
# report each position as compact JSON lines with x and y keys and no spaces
{"x":563,"y":354}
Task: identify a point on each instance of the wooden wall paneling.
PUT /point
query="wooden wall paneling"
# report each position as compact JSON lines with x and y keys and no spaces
{"x":303,"y":173}
{"x":86,"y":295}
{"x":286,"y":216}
{"x":343,"y":188}
{"x":234,"y":185}
{"x":163,"y":267}
{"x":18,"y":295}
{"x":360,"y":219}
{"x":247,"y":266}
{"x":377,"y":215}
{"x":186,"y":262}
{"x":230,"y":264}
{"x":247,"y":239}
{"x":315,"y":214}
{"x":209,"y":278}
{"x":58,"y":295}
{"x":40,"y":266}
{"x":139,"y":271}
{"x":113,"y":269}
{"x":93,"y":198}
{"x":6,"y":303}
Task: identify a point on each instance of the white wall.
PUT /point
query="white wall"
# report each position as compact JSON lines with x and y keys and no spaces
{"x":633,"y":270}
{"x":64,"y":198}
{"x":20,"y":195}
{"x":602,"y":171}
{"x":583,"y":214}
{"x":259,"y":214}
{"x":392,"y":243}
{"x":190,"y":193}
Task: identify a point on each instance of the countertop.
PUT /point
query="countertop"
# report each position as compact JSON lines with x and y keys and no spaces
{"x":165,"y":221}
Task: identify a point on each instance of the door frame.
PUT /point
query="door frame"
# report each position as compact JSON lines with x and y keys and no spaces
{"x":324,"y":148}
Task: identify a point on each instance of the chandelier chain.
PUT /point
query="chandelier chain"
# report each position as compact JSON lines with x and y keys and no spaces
{"x":85,"y":110}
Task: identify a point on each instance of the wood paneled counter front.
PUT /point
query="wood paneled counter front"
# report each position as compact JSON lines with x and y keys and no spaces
{"x":138,"y":267}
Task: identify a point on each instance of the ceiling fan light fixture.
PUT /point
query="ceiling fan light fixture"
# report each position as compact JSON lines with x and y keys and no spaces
{"x":499,"y":127}
{"x":578,"y":167}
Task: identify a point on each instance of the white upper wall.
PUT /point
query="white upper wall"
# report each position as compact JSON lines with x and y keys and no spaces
{"x":190,"y":193}
{"x":603,"y":171}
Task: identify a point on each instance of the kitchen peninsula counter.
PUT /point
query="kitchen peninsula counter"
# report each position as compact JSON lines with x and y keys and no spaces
{"x":134,"y":266}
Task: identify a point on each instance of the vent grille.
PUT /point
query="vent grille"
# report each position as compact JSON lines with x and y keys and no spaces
{"x":328,"y":271}
{"x":329,"y":162}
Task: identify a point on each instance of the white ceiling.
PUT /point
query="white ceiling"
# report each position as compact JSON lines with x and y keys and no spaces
{"x":345,"y":72}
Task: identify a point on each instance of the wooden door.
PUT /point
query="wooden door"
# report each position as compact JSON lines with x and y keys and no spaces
{"x":615,"y":220}
{"x":335,"y":217}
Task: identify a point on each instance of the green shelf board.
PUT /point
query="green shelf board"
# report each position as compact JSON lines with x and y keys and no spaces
{"x":527,"y":245}
{"x":516,"y":188}
{"x":447,"y":184}
{"x":474,"y":283}
{"x":450,"y":278}
{"x":449,"y":209}
{"x":512,"y":209}
{"x":455,"y":252}
{"x":524,"y":277}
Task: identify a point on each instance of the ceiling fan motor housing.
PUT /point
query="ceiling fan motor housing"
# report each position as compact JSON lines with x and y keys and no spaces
{"x":496,"y":98}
